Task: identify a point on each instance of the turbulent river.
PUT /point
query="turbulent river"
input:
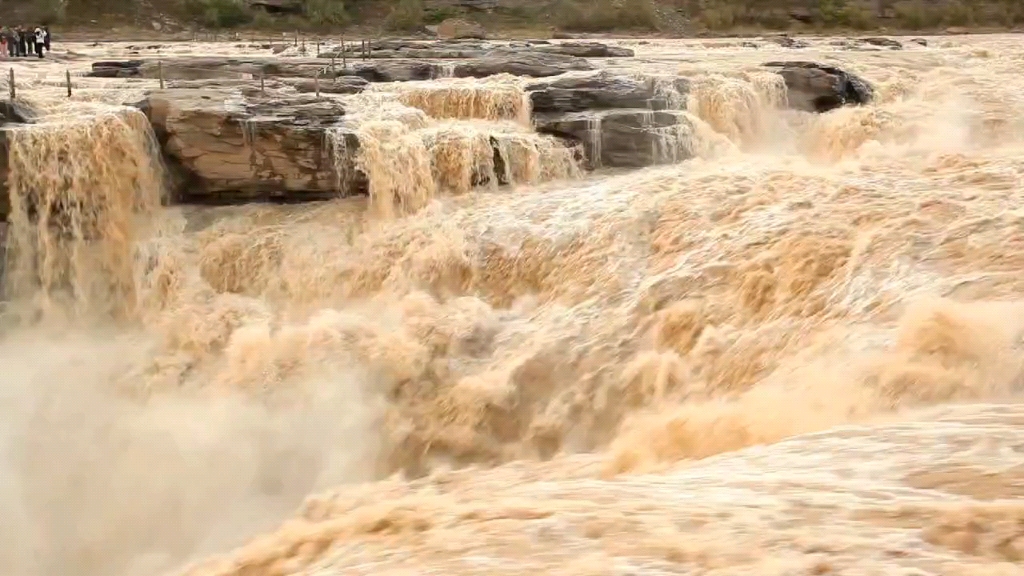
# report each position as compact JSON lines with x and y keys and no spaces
{"x":798,"y":352}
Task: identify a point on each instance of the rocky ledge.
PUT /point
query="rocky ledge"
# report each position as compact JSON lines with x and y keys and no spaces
{"x":815,"y":87}
{"x":503,"y":61}
{"x":455,"y":49}
{"x":233,"y":143}
{"x":620,"y":121}
{"x":225,"y":149}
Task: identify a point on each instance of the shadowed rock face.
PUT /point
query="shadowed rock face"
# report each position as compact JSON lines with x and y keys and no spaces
{"x":396,"y":71}
{"x":623,"y":138}
{"x":814,"y":87}
{"x":224,"y":151}
{"x":620,"y":121}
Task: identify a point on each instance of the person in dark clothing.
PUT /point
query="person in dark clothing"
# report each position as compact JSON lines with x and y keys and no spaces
{"x":30,"y":42}
{"x":46,"y":41}
{"x":22,"y":42}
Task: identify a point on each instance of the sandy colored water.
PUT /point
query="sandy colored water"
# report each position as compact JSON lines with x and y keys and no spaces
{"x":797,"y":353}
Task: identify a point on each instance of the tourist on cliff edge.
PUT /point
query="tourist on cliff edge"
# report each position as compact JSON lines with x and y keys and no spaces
{"x":40,"y":41}
{"x":30,"y":42}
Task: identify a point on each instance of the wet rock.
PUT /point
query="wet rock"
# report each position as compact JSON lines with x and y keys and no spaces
{"x":520,"y":63}
{"x":450,"y":49}
{"x":457,"y":28}
{"x":802,"y":15}
{"x":788,"y":42}
{"x":587,"y":50}
{"x":598,"y":91}
{"x":200,"y":68}
{"x":221,"y":150}
{"x":482,"y":5}
{"x":815,"y":87}
{"x":396,"y":71}
{"x":340,"y":85}
{"x":117,"y":69}
{"x":16,"y":112}
{"x":883,"y":42}
{"x":623,"y":137}
{"x":278,"y":6}
{"x":867,"y":43}
{"x":919,"y":41}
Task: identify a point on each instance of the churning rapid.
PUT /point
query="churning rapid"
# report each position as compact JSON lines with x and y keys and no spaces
{"x":798,"y":352}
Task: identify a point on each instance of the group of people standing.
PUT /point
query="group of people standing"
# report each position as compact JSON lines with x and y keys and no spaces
{"x":20,"y":41}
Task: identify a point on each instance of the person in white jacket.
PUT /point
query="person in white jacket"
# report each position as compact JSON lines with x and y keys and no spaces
{"x":40,"y":40}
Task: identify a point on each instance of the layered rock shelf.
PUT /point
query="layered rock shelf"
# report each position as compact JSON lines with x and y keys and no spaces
{"x":223,"y":149}
{"x":226,"y":140}
{"x":461,"y":49}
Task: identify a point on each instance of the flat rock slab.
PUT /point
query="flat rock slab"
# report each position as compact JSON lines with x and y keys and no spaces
{"x":586,"y":50}
{"x":520,"y":63}
{"x":816,"y":87}
{"x":340,"y":85}
{"x":201,"y":68}
{"x":223,"y":148}
{"x":462,"y":48}
{"x":602,"y":90}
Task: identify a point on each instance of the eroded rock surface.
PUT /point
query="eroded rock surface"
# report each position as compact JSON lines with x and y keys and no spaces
{"x":520,"y":63}
{"x":815,"y":87}
{"x":471,"y":47}
{"x":600,"y":91}
{"x":587,"y":50}
{"x":395,"y":70}
{"x":223,"y":150}
{"x":202,"y":68}
{"x":622,"y":138}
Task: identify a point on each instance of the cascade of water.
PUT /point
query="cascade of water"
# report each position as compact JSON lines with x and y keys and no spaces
{"x":81,"y":190}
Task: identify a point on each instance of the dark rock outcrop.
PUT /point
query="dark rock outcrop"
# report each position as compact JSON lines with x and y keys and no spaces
{"x":815,"y":87}
{"x":586,"y":50}
{"x":117,"y":69}
{"x":201,"y":68}
{"x":623,"y":137}
{"x":470,"y":47}
{"x":870,"y":43}
{"x":278,"y":6}
{"x":222,"y":151}
{"x":16,"y":112}
{"x":882,"y":42}
{"x":395,"y":71}
{"x":599,"y":91}
{"x":788,"y":42}
{"x":520,"y":63}
{"x":340,"y":85}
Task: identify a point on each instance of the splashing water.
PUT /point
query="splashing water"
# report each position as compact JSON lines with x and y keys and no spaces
{"x":77,"y":187}
{"x":797,"y":352}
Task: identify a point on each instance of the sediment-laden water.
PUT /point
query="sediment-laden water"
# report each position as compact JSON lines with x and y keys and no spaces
{"x":798,"y":352}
